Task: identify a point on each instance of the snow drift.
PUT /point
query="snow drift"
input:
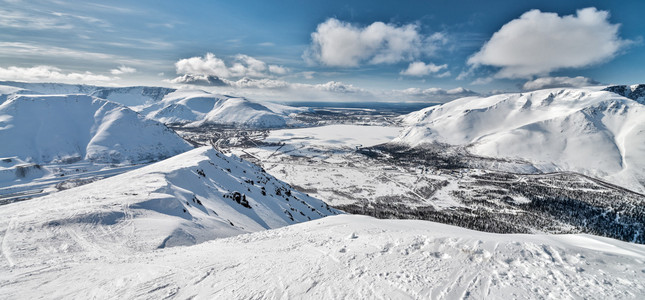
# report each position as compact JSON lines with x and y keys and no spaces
{"x":585,"y":130}
{"x":69,"y":128}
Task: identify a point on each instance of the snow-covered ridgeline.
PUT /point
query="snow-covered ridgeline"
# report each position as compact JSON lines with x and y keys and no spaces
{"x":583,"y":129}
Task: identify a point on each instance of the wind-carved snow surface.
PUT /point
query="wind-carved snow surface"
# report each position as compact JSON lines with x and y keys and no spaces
{"x":187,"y":199}
{"x":195,"y":108}
{"x":68,"y":128}
{"x":331,"y":258}
{"x":584,"y":130}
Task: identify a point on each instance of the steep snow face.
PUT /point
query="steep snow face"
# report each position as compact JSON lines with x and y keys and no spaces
{"x":340,"y":257}
{"x":634,"y":92}
{"x":67,"y":128}
{"x":195,"y":108}
{"x":190,"y":198}
{"x":585,"y":130}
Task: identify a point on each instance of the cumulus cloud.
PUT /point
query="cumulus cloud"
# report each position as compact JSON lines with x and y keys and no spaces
{"x":278,"y":70}
{"x":433,"y":94}
{"x":48,"y":73}
{"x":537,"y":43}
{"x":123,"y":70}
{"x":241,"y":66}
{"x":206,"y":80}
{"x":207,"y":65}
{"x":268,"y":84}
{"x":556,"y":82}
{"x":419,"y":68}
{"x":340,"y":44}
{"x":263,"y":83}
{"x":337,"y":87}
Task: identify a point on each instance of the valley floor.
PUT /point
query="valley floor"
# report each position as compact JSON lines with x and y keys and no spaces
{"x":340,"y":257}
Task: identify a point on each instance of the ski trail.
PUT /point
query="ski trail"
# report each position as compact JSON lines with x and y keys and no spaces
{"x":6,"y":252}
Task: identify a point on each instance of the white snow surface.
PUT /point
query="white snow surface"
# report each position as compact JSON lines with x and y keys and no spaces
{"x":196,"y":108}
{"x":335,"y":257}
{"x":335,"y":135}
{"x":584,"y":130}
{"x":183,"y":200}
{"x":49,"y":128}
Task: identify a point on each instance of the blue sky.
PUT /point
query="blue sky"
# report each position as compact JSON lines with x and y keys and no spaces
{"x":412,"y":50}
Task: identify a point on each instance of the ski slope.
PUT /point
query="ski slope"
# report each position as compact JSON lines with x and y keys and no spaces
{"x":331,"y":258}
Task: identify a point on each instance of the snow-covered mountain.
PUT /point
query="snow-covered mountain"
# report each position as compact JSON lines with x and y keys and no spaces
{"x":586,"y":130}
{"x":190,"y":198}
{"x":339,"y":257}
{"x":65,"y":128}
{"x":129,"y":96}
{"x":171,"y":106}
{"x":196,"y":108}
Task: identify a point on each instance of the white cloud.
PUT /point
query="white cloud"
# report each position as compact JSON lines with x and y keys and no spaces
{"x":246,"y":83}
{"x":307,"y":74}
{"x":22,"y":20}
{"x":263,"y":83}
{"x":337,"y":87}
{"x":206,"y":80}
{"x":431,"y":94}
{"x":537,"y":43}
{"x":48,"y":73}
{"x":123,"y":70}
{"x":419,"y":68}
{"x":279,"y":70}
{"x":208,"y":65}
{"x":437,"y":91}
{"x":242,"y":66}
{"x":340,"y":44}
{"x":482,"y":80}
{"x":555,"y":82}
{"x":444,"y":74}
{"x":18,"y":50}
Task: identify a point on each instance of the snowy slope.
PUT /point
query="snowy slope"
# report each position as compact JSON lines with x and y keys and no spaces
{"x":186,"y":199}
{"x":332,"y":258}
{"x":585,"y":130}
{"x":68,"y":128}
{"x":195,"y":108}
